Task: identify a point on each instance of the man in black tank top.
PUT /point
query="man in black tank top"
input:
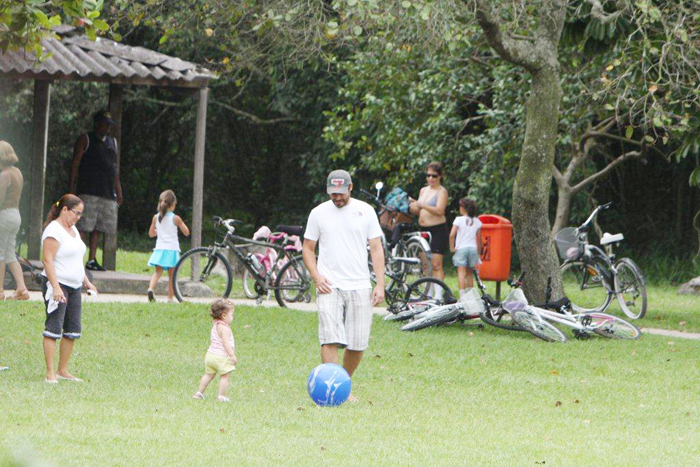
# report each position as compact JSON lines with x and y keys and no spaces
{"x":95,"y":179}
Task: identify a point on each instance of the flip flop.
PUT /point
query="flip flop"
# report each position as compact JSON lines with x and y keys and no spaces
{"x":74,"y":379}
{"x":51,"y":381}
{"x":15,"y":296}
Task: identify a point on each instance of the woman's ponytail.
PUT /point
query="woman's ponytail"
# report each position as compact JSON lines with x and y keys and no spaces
{"x":68,"y":201}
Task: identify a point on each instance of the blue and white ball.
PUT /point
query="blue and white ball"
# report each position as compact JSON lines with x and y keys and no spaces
{"x":329,"y":385}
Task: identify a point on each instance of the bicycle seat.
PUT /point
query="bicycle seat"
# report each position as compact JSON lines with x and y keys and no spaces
{"x":608,"y":239}
{"x":405,"y":260}
{"x":490,"y":300}
{"x":557,"y":305}
{"x":297,"y":230}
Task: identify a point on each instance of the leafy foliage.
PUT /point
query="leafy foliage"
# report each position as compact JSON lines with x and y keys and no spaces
{"x":23,"y":24}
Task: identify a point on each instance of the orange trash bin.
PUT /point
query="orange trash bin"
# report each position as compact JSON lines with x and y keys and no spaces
{"x":496,"y":241}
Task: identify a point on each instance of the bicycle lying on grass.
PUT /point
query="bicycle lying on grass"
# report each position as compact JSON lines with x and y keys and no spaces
{"x":472,"y":305}
{"x":538,"y":320}
{"x":206,"y":270}
{"x":592,"y":276}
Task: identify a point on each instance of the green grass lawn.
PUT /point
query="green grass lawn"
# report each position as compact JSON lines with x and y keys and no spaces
{"x":666,"y":309}
{"x":455,"y":395}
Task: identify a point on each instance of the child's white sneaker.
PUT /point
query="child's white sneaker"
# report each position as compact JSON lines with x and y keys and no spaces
{"x":223,"y":399}
{"x":198,"y":395}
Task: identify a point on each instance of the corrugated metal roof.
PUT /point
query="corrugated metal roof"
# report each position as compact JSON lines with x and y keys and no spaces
{"x":79,"y":58}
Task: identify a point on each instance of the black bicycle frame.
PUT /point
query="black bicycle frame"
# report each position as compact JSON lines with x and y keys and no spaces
{"x":229,"y":242}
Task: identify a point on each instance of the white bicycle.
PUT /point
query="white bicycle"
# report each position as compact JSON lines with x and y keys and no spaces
{"x":538,"y":321}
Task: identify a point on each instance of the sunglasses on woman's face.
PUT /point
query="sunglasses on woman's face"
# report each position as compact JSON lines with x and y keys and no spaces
{"x":432,"y":175}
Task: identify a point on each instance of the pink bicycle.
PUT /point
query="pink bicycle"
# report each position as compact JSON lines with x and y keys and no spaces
{"x":267,"y":262}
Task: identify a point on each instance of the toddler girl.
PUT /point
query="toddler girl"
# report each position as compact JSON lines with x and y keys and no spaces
{"x":221,"y":357}
{"x":166,"y":254}
{"x":466,"y":230}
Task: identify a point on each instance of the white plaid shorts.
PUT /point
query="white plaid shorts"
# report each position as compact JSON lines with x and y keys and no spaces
{"x":345,"y":318}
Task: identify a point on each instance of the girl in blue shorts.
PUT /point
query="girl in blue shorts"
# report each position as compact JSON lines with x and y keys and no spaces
{"x":465,"y":243}
{"x":166,"y":254}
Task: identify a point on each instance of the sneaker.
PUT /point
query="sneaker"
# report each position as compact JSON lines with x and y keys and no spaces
{"x":223,"y":399}
{"x":151,"y":296}
{"x":93,"y":265}
{"x":198,"y":395}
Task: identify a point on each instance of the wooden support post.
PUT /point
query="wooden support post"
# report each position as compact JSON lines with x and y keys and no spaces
{"x":198,"y":192}
{"x":198,"y":189}
{"x":42,"y":100}
{"x":116,"y":93}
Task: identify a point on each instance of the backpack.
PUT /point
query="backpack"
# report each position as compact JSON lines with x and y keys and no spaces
{"x":397,"y":200}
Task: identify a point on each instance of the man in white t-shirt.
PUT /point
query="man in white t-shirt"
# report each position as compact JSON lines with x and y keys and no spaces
{"x":342,"y":227}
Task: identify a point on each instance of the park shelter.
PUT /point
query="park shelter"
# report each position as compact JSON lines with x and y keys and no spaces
{"x":75,"y":57}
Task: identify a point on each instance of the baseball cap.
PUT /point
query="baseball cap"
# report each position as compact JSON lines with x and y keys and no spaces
{"x":103,"y":116}
{"x":338,"y":182}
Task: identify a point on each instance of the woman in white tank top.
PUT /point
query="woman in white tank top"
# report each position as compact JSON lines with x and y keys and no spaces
{"x":166,"y":254}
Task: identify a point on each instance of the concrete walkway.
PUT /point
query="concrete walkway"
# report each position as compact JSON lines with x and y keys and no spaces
{"x":131,"y":298}
{"x":669,"y":333}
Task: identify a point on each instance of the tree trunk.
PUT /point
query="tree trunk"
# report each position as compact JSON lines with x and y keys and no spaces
{"x":563,"y":208}
{"x":533,"y":183}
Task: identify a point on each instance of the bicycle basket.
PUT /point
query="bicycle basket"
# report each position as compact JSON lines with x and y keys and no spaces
{"x":568,"y":245}
{"x":472,"y":303}
{"x":389,"y":218}
{"x":516,"y":295}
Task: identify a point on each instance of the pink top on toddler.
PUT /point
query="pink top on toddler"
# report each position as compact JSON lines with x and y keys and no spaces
{"x":217,"y":345}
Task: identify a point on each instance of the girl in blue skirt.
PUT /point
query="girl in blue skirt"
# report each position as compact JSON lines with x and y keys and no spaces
{"x":166,"y":254}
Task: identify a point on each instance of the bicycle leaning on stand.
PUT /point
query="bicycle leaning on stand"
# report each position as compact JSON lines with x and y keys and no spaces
{"x":592,"y":276}
{"x":409,"y":243}
{"x":207,"y":271}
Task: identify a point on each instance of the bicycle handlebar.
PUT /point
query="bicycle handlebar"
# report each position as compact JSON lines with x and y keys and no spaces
{"x":372,"y":197}
{"x":517,"y":283}
{"x":583,"y":228}
{"x":228,"y":223}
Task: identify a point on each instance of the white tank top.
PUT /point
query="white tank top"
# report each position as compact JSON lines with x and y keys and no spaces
{"x":167,"y":233}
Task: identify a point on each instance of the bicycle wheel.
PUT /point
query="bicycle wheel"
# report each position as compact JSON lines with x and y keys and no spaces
{"x":630,"y":289}
{"x":442,"y":315}
{"x":414,"y":249}
{"x":409,"y":310}
{"x":538,"y":327}
{"x":293,"y":282}
{"x":498,"y":317}
{"x":249,"y":285}
{"x":585,"y":284}
{"x":9,"y":282}
{"x":611,"y":326}
{"x":429,"y":288}
{"x":202,"y":273}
